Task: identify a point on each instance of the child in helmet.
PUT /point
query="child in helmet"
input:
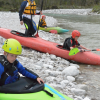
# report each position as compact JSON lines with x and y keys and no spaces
{"x":42,"y":22}
{"x":72,"y":42}
{"x":10,"y":66}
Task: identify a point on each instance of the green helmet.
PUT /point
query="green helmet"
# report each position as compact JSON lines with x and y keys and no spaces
{"x":12,"y":46}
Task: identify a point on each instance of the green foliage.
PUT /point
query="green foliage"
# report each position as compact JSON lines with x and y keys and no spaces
{"x":96,"y":8}
{"x":14,"y":5}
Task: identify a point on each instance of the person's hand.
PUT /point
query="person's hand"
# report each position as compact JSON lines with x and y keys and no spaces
{"x":71,"y":48}
{"x":40,"y":80}
{"x":82,"y":50}
{"x":41,"y":12}
{"x":21,"y":22}
{"x":45,"y":27}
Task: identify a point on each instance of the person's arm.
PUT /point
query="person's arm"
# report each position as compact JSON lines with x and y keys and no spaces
{"x":22,"y":7}
{"x":27,"y":73}
{"x":24,"y":72}
{"x":83,"y":47}
{"x":38,"y":12}
{"x":1,"y":69}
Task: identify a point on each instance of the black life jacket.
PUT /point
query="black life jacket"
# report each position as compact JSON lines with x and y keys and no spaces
{"x":9,"y":68}
{"x":65,"y":46}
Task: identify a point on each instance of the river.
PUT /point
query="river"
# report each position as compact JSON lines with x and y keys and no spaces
{"x":89,"y":27}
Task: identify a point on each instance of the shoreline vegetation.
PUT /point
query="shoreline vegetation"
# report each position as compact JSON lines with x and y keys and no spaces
{"x":14,"y":5}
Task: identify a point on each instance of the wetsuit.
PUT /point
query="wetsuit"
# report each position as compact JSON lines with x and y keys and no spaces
{"x":27,"y":9}
{"x":70,"y":42}
{"x":9,"y":71}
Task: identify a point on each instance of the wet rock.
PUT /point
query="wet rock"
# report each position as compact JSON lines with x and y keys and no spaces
{"x":71,"y":71}
{"x":79,"y":92}
{"x":48,"y":66}
{"x":70,"y":78}
{"x":82,"y":86}
{"x":53,"y":57}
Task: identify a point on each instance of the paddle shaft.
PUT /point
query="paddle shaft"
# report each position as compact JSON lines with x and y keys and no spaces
{"x":40,"y":16}
{"x":93,"y":50}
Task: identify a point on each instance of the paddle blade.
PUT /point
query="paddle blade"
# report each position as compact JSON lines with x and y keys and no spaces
{"x":53,"y":31}
{"x":73,"y":51}
{"x":97,"y":49}
{"x":37,"y":35}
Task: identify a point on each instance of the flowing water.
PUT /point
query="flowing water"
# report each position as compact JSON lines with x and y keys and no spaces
{"x":89,"y":27}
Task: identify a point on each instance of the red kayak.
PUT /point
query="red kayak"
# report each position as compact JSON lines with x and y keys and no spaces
{"x":39,"y":44}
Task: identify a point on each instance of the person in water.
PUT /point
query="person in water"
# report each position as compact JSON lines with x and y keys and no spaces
{"x":26,"y":12}
{"x":42,"y":22}
{"x":72,"y":42}
{"x":10,"y":67}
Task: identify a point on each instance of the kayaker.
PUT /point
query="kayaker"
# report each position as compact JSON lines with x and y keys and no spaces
{"x":72,"y":42}
{"x":42,"y":22}
{"x":26,"y":12}
{"x":10,"y":67}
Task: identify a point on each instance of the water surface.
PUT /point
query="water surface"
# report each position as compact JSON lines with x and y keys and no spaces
{"x":89,"y":26}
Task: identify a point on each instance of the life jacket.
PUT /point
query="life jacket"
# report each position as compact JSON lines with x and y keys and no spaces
{"x":76,"y":43}
{"x":43,"y":23}
{"x":10,"y":71}
{"x":31,"y":8}
{"x":65,"y":46}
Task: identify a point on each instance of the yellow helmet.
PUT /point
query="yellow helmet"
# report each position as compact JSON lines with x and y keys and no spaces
{"x":12,"y":46}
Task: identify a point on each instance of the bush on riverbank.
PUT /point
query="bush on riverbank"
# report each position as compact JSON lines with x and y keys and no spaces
{"x":14,"y":5}
{"x":96,"y":8}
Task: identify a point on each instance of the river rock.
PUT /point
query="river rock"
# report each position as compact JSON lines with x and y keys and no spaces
{"x":53,"y":57}
{"x":71,"y":71}
{"x":79,"y":92}
{"x":70,"y":78}
{"x":82,"y":86}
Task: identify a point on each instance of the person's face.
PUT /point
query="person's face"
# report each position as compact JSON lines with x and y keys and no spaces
{"x":10,"y":57}
{"x":44,"y":18}
{"x":76,"y":38}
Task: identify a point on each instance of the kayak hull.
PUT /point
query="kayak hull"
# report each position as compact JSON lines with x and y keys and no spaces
{"x":58,"y":29}
{"x":50,"y":47}
{"x":39,"y":95}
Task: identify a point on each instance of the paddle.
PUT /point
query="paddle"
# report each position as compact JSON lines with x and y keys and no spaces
{"x":76,"y":50}
{"x":73,"y":51}
{"x":53,"y":31}
{"x":39,"y":19}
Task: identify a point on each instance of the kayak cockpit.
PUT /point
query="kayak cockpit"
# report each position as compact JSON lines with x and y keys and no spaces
{"x":23,"y":85}
{"x":20,"y":34}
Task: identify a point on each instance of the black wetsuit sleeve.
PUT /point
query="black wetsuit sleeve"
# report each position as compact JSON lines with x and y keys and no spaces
{"x":21,"y":10}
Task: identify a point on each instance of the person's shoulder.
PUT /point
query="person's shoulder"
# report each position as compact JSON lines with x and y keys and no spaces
{"x":18,"y":63}
{"x":68,"y":38}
